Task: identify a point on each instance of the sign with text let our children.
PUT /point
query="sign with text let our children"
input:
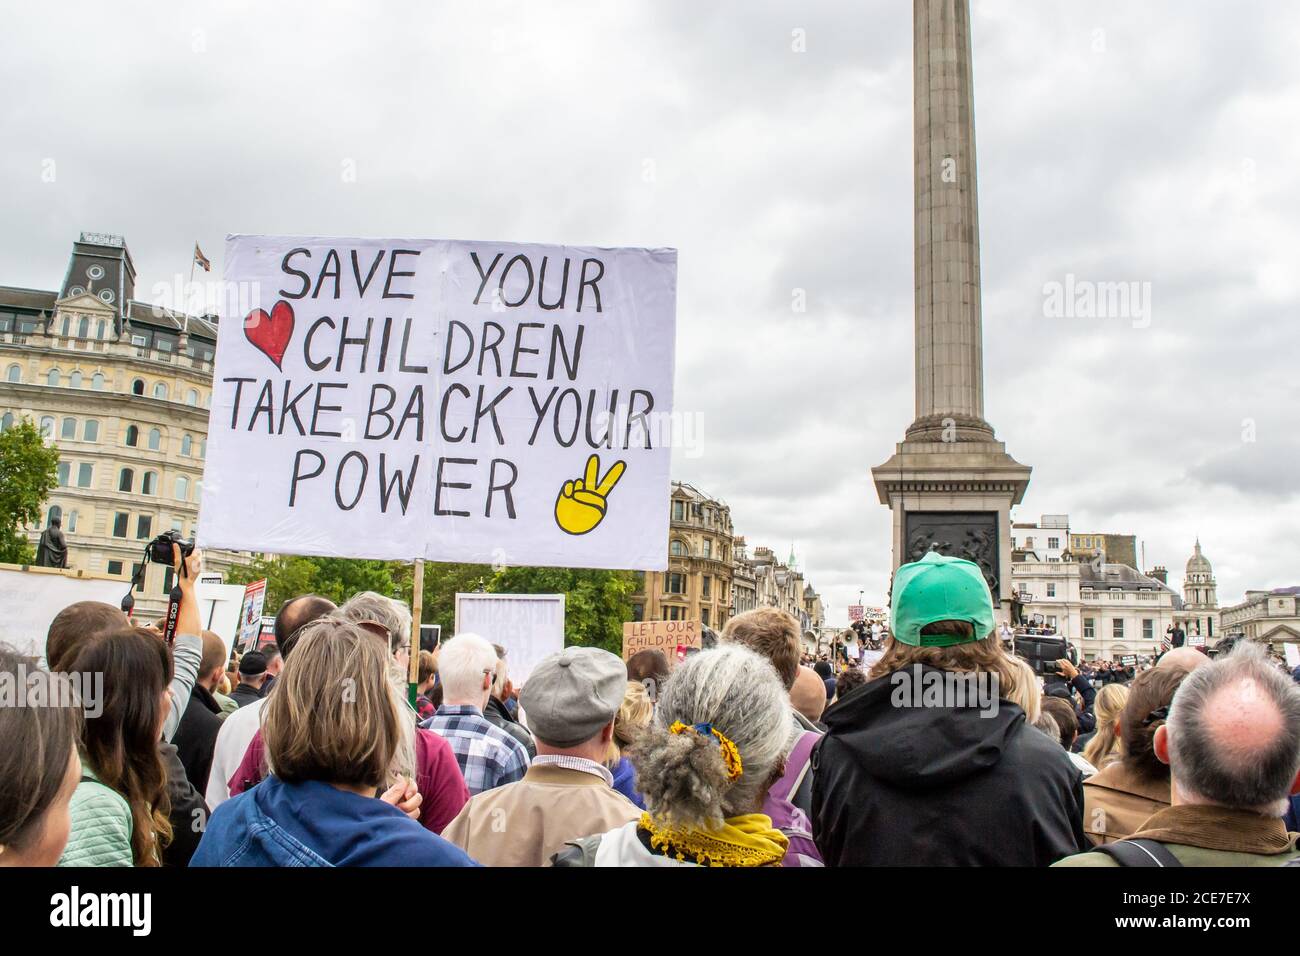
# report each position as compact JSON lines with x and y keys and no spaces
{"x":457,"y":401}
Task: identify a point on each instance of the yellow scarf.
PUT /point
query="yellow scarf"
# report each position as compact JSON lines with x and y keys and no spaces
{"x":746,"y":840}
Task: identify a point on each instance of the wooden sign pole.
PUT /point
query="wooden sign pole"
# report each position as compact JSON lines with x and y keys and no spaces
{"x":417,"y":612}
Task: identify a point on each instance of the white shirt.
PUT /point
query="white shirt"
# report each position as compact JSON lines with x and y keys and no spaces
{"x":236,"y":733}
{"x":575,"y":763}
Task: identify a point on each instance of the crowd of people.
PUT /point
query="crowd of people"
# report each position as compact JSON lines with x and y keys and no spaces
{"x":939,"y":747}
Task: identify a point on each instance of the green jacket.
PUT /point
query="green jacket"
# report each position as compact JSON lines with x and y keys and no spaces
{"x":1209,"y":836}
{"x":101,"y":826}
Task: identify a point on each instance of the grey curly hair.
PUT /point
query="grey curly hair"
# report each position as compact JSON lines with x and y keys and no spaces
{"x":682,"y":777}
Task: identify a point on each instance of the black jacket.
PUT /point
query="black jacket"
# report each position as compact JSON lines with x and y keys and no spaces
{"x":940,"y":786}
{"x":189,"y":811}
{"x":196,"y":736}
{"x":496,"y":713}
{"x":245,"y":694}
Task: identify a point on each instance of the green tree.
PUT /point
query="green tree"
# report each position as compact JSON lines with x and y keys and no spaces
{"x":338,"y":579}
{"x":28,"y":473}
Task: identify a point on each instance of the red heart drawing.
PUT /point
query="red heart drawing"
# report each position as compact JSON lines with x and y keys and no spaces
{"x":270,"y":334}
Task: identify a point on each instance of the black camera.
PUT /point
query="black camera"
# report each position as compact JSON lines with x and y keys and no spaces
{"x":160,"y":549}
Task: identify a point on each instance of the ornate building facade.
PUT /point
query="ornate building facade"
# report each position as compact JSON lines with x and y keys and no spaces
{"x":1269,"y":616}
{"x":122,"y":388}
{"x":1200,"y":613}
{"x":712,"y":576}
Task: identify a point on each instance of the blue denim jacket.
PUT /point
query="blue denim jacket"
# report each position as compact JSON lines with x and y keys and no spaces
{"x":314,"y":824}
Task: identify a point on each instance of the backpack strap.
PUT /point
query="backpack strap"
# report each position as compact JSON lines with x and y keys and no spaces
{"x":1138,"y":853}
{"x":796,"y":766}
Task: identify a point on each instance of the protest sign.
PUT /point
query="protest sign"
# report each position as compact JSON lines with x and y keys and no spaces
{"x":457,"y":401}
{"x":1129,"y":660}
{"x":528,"y":626}
{"x":1292,"y":653}
{"x":250,"y":615}
{"x":855,"y":613}
{"x":1196,"y":640}
{"x":666,"y":636}
{"x":31,"y":597}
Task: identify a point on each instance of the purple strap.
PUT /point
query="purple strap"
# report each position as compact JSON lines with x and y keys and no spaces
{"x":794,"y":766}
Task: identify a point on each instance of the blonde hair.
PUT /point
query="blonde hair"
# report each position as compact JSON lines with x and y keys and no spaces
{"x":633,"y":717}
{"x":333,"y":716}
{"x":1105,"y":743}
{"x":1025,"y":689}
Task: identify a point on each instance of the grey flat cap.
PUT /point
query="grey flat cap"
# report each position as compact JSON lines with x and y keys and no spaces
{"x":569,"y":696}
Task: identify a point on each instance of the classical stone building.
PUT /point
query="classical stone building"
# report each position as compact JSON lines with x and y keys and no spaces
{"x":1048,"y":538}
{"x":1104,"y":548}
{"x":712,"y":576}
{"x":1270,"y":616}
{"x":122,"y":388}
{"x":1200,"y":613}
{"x":1107,"y":610}
{"x":697,"y":584}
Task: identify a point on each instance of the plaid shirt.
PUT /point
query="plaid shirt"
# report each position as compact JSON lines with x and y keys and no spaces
{"x":488,"y":756}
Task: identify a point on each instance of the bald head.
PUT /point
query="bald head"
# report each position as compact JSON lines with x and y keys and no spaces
{"x":294,"y":614}
{"x":1184,"y":659}
{"x":808,"y":695}
{"x":1233,"y":736}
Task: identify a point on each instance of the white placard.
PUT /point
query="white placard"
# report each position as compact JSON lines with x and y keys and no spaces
{"x":458,"y":401}
{"x":1292,"y":653}
{"x":30,"y":600}
{"x":528,"y":626}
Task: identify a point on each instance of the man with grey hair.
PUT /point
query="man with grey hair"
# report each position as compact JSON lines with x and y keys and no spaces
{"x":571,"y":699}
{"x":1232,"y":743}
{"x":488,"y":756}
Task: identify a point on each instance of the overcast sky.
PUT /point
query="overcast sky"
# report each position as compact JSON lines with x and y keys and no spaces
{"x":1154,"y":142}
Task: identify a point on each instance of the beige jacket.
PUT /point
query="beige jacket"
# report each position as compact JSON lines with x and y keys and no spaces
{"x":1116,"y":802}
{"x":528,"y":822}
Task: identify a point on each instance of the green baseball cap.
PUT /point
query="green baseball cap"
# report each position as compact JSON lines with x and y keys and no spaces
{"x":940,"y":588}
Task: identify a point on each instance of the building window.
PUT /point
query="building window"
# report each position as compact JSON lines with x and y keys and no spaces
{"x":115,"y":567}
{"x":91,"y":430}
{"x":1053,"y":543}
{"x":1051,"y":590}
{"x":704,"y":615}
{"x":54,"y":512}
{"x":144,"y":527}
{"x":120,"y":521}
{"x":7,"y":422}
{"x":125,"y":479}
{"x":85,"y":474}
{"x":155,"y":439}
{"x":1148,"y":629}
{"x":160,"y":390}
{"x":674,"y":614}
{"x":99,"y":334}
{"x":706,"y":586}
{"x":69,"y":429}
{"x":137,"y":387}
{"x":168,"y":576}
{"x":1089,"y":628}
{"x":708,"y":547}
{"x":1013,"y":544}
{"x":203,"y":448}
{"x":97,"y":381}
{"x":676,"y":583}
{"x":676,"y":549}
{"x":15,"y":373}
{"x":74,"y":380}
{"x":149,"y":483}
{"x":83,"y":328}
{"x":72,"y":521}
{"x":138,"y":578}
{"x":64,"y":473}
{"x":192,"y":397}
{"x":47,"y":426}
{"x":679,"y":510}
{"x":187,"y":446}
{"x":638,"y":612}
{"x":183,"y":488}
{"x":53,"y":377}
{"x":1117,"y":629}
{"x":132,"y":436}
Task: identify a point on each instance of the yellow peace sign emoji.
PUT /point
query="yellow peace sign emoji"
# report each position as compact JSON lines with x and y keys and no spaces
{"x":580,"y":505}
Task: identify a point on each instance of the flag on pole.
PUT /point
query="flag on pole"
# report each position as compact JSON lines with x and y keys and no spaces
{"x":201,"y":260}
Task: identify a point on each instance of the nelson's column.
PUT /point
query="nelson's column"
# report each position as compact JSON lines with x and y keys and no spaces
{"x":950,"y":483}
